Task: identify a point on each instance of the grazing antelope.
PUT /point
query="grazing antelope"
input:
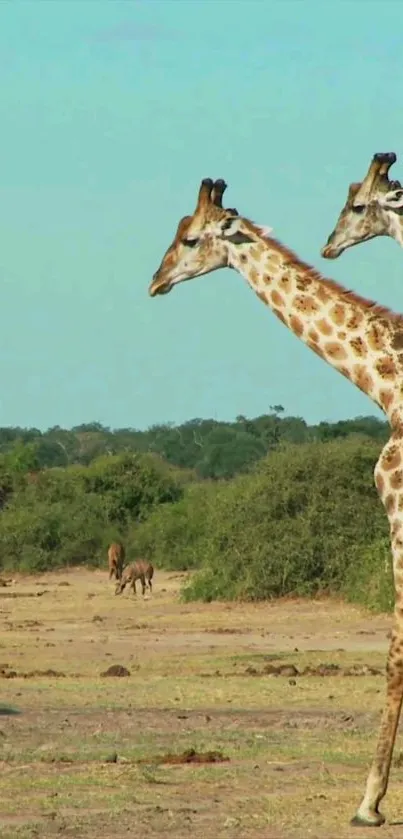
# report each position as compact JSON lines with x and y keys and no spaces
{"x":140,"y":570}
{"x":116,"y":559}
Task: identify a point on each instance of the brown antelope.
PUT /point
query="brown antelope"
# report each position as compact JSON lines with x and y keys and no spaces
{"x":140,"y":570}
{"x":116,"y":559}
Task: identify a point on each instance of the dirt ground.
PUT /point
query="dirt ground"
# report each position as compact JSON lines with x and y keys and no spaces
{"x":215,"y":720}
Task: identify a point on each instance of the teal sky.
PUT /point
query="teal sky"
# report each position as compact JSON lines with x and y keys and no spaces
{"x":111,"y":113}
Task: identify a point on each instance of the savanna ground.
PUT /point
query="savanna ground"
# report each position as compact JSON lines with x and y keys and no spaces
{"x":90,"y":756}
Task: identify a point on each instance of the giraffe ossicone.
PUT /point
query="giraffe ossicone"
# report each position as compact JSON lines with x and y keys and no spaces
{"x":373,"y":208}
{"x":359,"y":338}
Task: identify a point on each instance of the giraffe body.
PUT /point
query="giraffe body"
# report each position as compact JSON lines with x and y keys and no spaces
{"x":361,"y":339}
{"x":373,"y":208}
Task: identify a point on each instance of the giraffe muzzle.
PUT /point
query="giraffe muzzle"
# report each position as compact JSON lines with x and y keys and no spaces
{"x":330,"y":252}
{"x":158,"y":286}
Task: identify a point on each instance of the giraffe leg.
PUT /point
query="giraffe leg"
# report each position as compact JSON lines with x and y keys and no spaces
{"x":389,"y":481}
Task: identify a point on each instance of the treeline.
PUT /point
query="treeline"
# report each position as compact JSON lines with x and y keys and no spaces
{"x":213,"y":449}
{"x":299,"y":515}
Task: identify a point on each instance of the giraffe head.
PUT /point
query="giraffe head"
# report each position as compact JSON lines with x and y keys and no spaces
{"x":372,"y":208}
{"x":202,"y":241}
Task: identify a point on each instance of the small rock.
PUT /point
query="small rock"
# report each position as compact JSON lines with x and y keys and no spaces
{"x":116,"y":670}
{"x":231,"y":822}
{"x":287,"y":670}
{"x":112,"y":758}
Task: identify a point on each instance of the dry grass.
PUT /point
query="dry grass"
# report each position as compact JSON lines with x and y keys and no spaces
{"x":298,"y":748}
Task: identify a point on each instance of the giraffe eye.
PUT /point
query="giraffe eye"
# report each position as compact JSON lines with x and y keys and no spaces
{"x":190,"y":243}
{"x":358,"y":208}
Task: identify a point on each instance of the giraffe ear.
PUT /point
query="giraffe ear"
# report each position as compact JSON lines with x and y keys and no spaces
{"x":264,"y":231}
{"x":239,"y":238}
{"x":232,"y":233}
{"x":393,"y":200}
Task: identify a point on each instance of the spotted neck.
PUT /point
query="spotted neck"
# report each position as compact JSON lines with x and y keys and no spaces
{"x":360,"y":339}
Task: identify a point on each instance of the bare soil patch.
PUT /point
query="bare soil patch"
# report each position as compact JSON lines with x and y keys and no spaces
{"x":253,"y":721}
{"x":189,"y":756}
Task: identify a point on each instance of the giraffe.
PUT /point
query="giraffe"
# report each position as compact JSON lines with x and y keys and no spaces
{"x":361,"y":339}
{"x":373,"y":208}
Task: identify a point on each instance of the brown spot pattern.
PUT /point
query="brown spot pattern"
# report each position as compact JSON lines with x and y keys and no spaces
{"x":323,"y":295}
{"x":342,"y":336}
{"x":296,"y":325}
{"x":315,"y":347}
{"x":277,"y":299}
{"x":324,"y":327}
{"x":386,"y":398}
{"x":305,"y":303}
{"x":286,"y":283}
{"x":362,"y":378}
{"x":358,"y":346}
{"x":386,"y":367}
{"x":253,"y":276}
{"x":335,"y":351}
{"x":338,"y":314}
{"x":396,"y":480}
{"x":396,"y":418}
{"x":313,"y":335}
{"x":391,"y":459}
{"x":279,"y":315}
{"x":302,"y":283}
{"x":262,"y":296}
{"x":375,"y":337}
{"x":354,"y":321}
{"x":397,"y":340}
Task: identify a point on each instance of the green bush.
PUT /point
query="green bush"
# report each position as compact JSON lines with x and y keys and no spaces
{"x":289,"y":527}
{"x":173,"y":534}
{"x":369,"y":578}
{"x":68,"y":516}
{"x":306,"y":519}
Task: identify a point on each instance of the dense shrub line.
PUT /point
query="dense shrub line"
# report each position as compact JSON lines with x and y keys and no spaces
{"x":303,"y":519}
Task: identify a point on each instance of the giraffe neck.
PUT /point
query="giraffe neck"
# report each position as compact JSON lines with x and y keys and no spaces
{"x":355,"y":336}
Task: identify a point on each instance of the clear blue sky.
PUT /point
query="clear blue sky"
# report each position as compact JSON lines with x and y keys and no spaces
{"x":111,"y":113}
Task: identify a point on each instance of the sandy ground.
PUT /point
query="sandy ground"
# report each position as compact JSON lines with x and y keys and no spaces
{"x":279,"y":702}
